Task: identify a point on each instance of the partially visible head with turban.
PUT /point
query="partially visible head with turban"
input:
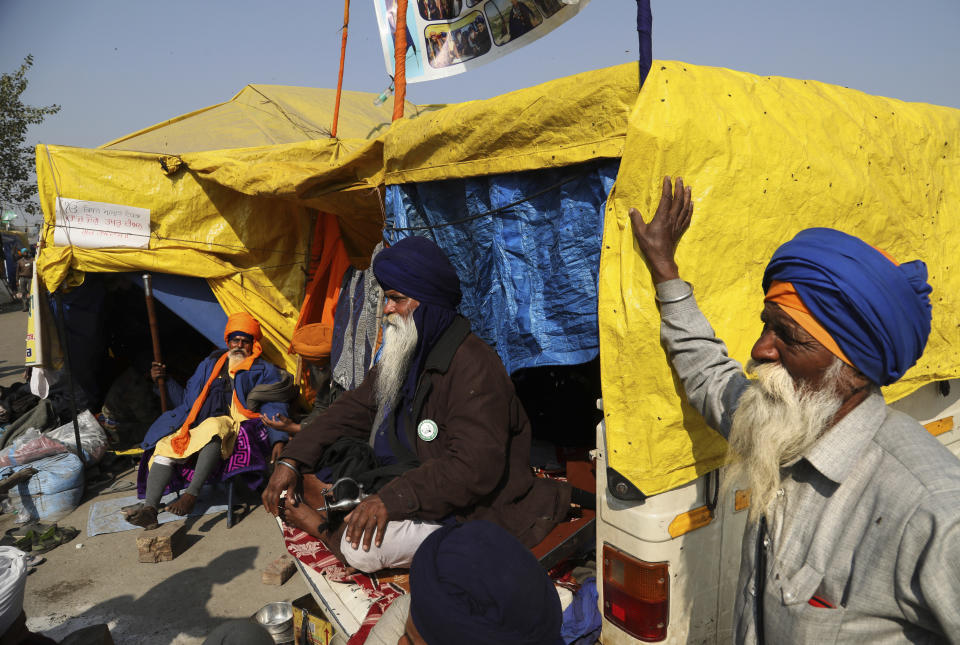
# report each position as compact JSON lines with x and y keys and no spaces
{"x":475,"y":584}
{"x":313,"y":342}
{"x":869,"y":311}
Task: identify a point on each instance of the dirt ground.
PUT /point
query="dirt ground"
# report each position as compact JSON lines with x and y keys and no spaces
{"x":99,"y":580}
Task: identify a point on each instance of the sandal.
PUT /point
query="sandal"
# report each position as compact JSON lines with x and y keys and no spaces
{"x":22,"y":537}
{"x":53,"y":537}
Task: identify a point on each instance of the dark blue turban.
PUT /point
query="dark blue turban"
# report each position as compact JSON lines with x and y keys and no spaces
{"x":475,"y":584}
{"x":416,"y":267}
{"x":878,"y":312}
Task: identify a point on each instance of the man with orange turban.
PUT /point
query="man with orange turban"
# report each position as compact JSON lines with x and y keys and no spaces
{"x":229,"y":387}
{"x":853,"y":533}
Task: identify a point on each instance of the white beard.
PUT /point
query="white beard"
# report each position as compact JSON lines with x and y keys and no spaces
{"x":399,"y":341}
{"x":235,"y":357}
{"x":777,"y":421}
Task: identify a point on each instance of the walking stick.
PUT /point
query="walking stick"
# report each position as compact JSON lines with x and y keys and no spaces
{"x":155,"y":337}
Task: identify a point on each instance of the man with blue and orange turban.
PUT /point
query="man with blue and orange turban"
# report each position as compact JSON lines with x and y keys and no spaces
{"x":853,"y":533}
{"x":446,"y":434}
{"x":228,"y":387}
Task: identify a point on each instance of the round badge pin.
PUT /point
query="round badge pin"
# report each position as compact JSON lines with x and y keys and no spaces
{"x":427,"y":429}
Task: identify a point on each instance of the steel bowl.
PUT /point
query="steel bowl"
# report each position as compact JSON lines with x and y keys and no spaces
{"x":276,"y":617}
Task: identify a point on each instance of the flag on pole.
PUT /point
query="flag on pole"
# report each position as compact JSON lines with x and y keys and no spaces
{"x":645,"y":34}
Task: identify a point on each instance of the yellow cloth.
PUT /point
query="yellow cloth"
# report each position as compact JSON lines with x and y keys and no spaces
{"x":766,"y":157}
{"x":225,"y":427}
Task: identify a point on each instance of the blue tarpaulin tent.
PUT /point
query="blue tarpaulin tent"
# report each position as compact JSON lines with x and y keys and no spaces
{"x":525,"y":245}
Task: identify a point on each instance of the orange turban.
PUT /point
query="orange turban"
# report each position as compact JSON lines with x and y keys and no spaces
{"x":785,"y":295}
{"x":313,"y":341}
{"x":244,"y":323}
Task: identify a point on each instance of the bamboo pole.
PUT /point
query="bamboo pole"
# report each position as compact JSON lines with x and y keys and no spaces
{"x":155,"y":337}
{"x":400,"y":60}
{"x":343,"y":54}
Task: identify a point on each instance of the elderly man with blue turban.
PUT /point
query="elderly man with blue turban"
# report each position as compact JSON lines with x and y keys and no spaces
{"x":853,"y":533}
{"x":449,"y":437}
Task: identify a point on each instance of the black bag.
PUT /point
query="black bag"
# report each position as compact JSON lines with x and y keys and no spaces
{"x":354,"y":458}
{"x":15,"y":401}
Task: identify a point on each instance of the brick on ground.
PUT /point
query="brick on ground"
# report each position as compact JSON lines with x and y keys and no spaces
{"x":279,"y":571}
{"x":159,"y":544}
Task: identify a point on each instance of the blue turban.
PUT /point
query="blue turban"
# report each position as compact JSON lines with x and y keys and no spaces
{"x":475,"y":584}
{"x":878,"y":312}
{"x":416,"y":267}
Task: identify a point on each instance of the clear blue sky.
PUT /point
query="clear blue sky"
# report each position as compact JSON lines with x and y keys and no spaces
{"x":116,"y":66}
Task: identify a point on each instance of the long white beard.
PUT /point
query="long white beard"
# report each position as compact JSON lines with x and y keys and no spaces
{"x":774,"y":424}
{"x":399,"y":341}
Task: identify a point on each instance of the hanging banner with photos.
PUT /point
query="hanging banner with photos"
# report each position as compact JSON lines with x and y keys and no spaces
{"x":447,"y":37}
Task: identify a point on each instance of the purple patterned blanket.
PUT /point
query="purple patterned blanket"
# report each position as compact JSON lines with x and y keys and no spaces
{"x":249,"y":459}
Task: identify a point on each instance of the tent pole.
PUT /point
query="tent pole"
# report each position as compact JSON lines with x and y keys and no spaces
{"x":400,"y":60}
{"x":343,"y":54}
{"x":62,"y":332}
{"x":155,"y":337}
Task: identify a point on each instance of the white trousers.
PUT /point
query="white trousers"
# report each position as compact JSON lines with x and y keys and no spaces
{"x":400,"y":541}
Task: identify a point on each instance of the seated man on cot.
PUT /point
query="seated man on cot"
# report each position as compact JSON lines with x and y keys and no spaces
{"x":853,"y":533}
{"x":450,"y":439}
{"x":229,"y":387}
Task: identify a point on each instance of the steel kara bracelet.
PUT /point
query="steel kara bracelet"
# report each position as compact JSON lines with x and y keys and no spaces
{"x":291,"y":467}
{"x":677,"y":299}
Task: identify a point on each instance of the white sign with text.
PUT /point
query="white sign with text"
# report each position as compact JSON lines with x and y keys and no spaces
{"x":96,"y":225}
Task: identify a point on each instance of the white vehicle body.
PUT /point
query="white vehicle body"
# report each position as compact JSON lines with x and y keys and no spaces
{"x":704,"y":562}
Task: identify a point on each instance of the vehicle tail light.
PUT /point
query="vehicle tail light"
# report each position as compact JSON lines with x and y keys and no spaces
{"x":636,"y":594}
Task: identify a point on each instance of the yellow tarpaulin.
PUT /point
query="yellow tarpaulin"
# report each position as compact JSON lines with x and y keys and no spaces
{"x":567,"y":121}
{"x":263,"y":115}
{"x":250,"y":250}
{"x":766,"y":157}
{"x":229,"y":189}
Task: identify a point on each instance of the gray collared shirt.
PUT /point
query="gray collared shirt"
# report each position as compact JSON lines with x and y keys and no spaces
{"x":868,"y":519}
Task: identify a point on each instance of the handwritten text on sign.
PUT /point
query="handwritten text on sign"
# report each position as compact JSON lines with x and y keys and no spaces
{"x":96,"y":225}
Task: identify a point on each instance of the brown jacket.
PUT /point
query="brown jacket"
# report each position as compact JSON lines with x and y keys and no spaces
{"x":477,"y":467}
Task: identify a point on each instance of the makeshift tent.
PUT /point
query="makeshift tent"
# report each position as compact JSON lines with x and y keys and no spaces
{"x":239,"y":218}
{"x":766,"y":157}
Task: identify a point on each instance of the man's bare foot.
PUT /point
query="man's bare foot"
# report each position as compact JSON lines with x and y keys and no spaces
{"x":183,"y":504}
{"x":143,"y":516}
{"x":312,"y":491}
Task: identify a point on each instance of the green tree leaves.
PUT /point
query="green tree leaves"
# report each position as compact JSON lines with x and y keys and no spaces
{"x":17,"y":184}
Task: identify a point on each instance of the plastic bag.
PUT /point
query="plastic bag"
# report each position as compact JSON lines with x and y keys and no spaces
{"x":93,"y":439}
{"x":29,"y":447}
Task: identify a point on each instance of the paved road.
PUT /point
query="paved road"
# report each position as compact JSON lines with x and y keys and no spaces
{"x":13,"y":333}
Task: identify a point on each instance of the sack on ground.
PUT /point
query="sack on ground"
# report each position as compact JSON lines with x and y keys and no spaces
{"x":52,"y":493}
{"x":93,"y":438}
